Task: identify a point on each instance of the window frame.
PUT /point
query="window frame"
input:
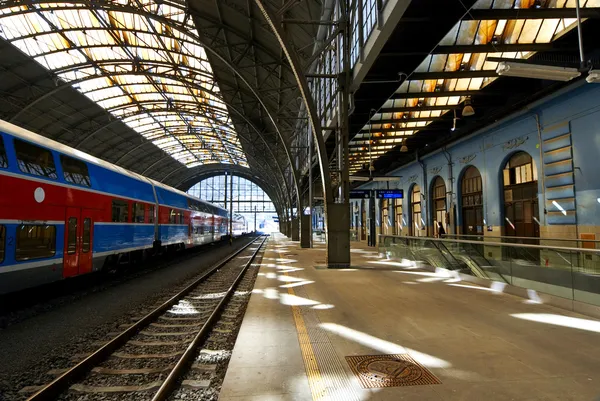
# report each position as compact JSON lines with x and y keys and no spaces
{"x":122,"y":203}
{"x":71,"y":232}
{"x":24,"y":166}
{"x":17,"y":239}
{"x":86,"y":176}
{"x":87,"y":249}
{"x":135,"y":208}
{"x":150,"y":213}
{"x":2,"y":243}
{"x":3,"y":154}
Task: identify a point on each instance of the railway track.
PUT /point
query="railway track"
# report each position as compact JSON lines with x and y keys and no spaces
{"x":149,"y":358}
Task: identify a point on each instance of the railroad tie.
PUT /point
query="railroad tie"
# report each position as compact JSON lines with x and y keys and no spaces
{"x":146,"y":356}
{"x":82,"y":388}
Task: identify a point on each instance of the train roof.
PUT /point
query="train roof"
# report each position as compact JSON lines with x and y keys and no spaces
{"x":41,"y":140}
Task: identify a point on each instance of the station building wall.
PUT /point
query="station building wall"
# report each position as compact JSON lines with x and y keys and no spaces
{"x":539,"y":128}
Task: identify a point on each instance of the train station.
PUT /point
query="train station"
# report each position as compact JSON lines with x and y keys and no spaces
{"x":300,"y":200}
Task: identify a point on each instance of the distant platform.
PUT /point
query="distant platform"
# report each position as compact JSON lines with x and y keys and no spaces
{"x":387,"y":330}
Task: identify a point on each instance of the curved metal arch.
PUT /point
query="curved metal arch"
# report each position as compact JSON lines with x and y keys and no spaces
{"x":240,"y":135}
{"x":231,"y":107}
{"x":307,"y":99}
{"x":218,"y":169}
{"x":207,"y":47}
{"x":121,"y":118}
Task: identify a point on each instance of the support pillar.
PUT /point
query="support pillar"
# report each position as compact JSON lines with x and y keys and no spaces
{"x":295,"y":229}
{"x":305,"y":231}
{"x":338,"y":219}
{"x":338,"y":235}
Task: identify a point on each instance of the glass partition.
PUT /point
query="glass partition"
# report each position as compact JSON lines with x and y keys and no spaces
{"x":567,"y":272}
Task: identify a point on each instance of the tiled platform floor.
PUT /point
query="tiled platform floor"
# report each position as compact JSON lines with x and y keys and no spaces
{"x":482,"y":345}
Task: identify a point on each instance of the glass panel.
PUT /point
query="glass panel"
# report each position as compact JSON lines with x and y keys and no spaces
{"x":35,"y":160}
{"x":3,"y":158}
{"x":72,"y":236}
{"x":138,"y":212}
{"x":2,"y":240}
{"x":75,"y":171}
{"x":87,"y":235}
{"x":35,"y":242}
{"x":151,"y":214}
{"x":161,"y":106}
{"x":120,"y":211}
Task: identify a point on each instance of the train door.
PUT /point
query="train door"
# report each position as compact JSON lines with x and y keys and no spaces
{"x":78,"y":242}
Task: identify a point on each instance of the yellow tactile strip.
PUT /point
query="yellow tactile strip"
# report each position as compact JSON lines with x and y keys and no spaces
{"x":377,"y":371}
{"x":327,"y":378}
{"x":315,"y":380}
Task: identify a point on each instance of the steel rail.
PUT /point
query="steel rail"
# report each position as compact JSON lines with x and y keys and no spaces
{"x":172,"y":380}
{"x":61,"y":383}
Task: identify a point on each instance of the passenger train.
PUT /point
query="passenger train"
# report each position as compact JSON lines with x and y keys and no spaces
{"x":64,"y":213}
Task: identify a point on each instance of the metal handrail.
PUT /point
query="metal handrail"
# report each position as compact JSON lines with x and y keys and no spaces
{"x":525,"y":238}
{"x":489,"y":243}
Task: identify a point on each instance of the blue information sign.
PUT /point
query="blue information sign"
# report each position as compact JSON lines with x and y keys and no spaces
{"x":390,"y":193}
{"x":360,"y":194}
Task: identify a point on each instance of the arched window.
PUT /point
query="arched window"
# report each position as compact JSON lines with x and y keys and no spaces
{"x":415,"y":208}
{"x":519,"y":170}
{"x":438,"y":195}
{"x":398,"y":221}
{"x":250,"y":202}
{"x":520,"y":197}
{"x":472,"y":202}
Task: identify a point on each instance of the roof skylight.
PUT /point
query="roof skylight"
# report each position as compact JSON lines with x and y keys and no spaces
{"x":425,"y":100}
{"x":138,"y":60}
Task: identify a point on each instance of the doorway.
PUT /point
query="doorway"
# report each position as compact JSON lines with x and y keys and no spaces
{"x":438,"y":195}
{"x":472,"y":202}
{"x":414,"y":228}
{"x":521,"y":209}
{"x":79,"y":236}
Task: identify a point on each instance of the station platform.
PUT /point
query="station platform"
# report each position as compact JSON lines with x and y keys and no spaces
{"x":387,"y":330}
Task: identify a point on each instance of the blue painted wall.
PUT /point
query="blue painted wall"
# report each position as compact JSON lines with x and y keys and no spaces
{"x":576,"y":110}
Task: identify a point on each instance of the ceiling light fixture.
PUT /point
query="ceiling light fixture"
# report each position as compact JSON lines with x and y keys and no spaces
{"x":404,"y":148}
{"x":538,"y":71}
{"x":468,"y":110}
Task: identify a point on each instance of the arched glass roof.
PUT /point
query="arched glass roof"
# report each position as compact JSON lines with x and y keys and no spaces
{"x":138,"y":60}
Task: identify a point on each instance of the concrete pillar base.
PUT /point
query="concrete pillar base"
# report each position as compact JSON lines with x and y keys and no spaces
{"x":295,"y":229}
{"x":283,"y":227}
{"x":305,"y":232}
{"x":288,"y":229}
{"x":338,"y":235}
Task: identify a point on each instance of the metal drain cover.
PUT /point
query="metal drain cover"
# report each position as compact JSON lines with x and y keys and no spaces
{"x":376,"y":371}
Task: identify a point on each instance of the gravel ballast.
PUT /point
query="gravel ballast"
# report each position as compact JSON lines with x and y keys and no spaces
{"x":59,"y":337}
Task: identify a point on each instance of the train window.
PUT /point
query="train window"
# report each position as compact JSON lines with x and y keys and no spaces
{"x":75,"y":171}
{"x":35,"y":160}
{"x":173,"y":216}
{"x":71,"y":236}
{"x":120,"y":211}
{"x":138,"y":212}
{"x":2,"y":239}
{"x":86,"y":240}
{"x":181,"y":218}
{"x":3,"y":158}
{"x":151,"y":214}
{"x":35,"y":242}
